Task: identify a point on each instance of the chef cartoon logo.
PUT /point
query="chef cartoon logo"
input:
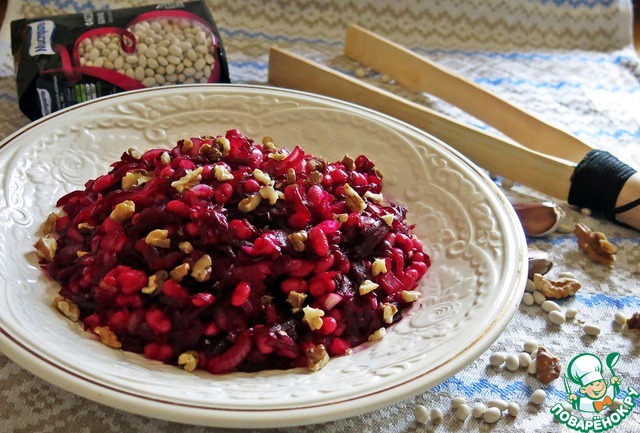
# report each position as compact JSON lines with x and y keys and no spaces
{"x":595,"y":393}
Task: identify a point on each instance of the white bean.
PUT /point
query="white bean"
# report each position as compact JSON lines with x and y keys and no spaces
{"x":527,"y":299}
{"x":149,"y":81}
{"x":549,"y":306}
{"x":524,"y":359}
{"x":99,"y":44}
{"x":570,"y":313}
{"x":94,"y":54}
{"x":139,"y":73}
{"x":463,"y":412}
{"x":557,"y":318}
{"x":174,"y":60}
{"x":199,"y":64}
{"x":530,"y":346}
{"x":569,"y":275}
{"x":162,"y":51}
{"x":620,"y":318}
{"x":533,"y":367}
{"x":512,"y":362}
{"x":538,"y":396}
{"x":436,"y":415}
{"x":530,"y":287}
{"x":497,"y":359}
{"x":456,"y":402}
{"x":592,"y":330}
{"x":189,"y":72}
{"x":117,"y":63}
{"x":497,"y":402}
{"x":478,"y":410}
{"x":99,"y":62}
{"x":162,"y":61}
{"x":513,"y":408}
{"x":492,"y":415}
{"x":192,"y":55}
{"x":539,"y":297}
{"x":152,"y":63}
{"x":175,"y":50}
{"x":132,"y":60}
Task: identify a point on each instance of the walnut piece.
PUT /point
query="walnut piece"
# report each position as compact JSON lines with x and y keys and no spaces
{"x":188,"y":360}
{"x":548,"y":367}
{"x":559,"y":289}
{"x":388,"y":311}
{"x":201,"y":270}
{"x":66,"y":307}
{"x":46,"y":248}
{"x":123,"y":211}
{"x":135,"y":178}
{"x":49,"y":225}
{"x":180,"y":271}
{"x":158,"y":238}
{"x":108,"y":337}
{"x":314,"y":178}
{"x":317,"y":357}
{"x":249,"y":203}
{"x":221,"y":173}
{"x":378,"y":334}
{"x":269,"y":193}
{"x":367,"y":286}
{"x":379,"y":266}
{"x":349,"y":163}
{"x":296,"y":300}
{"x":190,"y":179}
{"x":299,"y":239}
{"x":155,"y":282}
{"x":313,"y":317}
{"x":355,"y":203}
{"x":595,"y":245}
{"x":185,"y":247}
{"x":633,"y":322}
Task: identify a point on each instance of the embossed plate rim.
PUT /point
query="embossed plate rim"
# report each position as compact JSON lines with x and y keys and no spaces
{"x":206,"y":415}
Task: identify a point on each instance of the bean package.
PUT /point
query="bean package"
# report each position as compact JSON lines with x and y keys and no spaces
{"x":64,"y":60}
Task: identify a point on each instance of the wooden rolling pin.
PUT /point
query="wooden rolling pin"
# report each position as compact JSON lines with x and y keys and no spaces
{"x":542,"y":156}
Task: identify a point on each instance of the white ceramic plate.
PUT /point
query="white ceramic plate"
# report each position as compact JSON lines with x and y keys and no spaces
{"x":468,"y":227}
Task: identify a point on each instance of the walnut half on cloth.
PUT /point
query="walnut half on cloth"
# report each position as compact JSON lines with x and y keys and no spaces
{"x":596,"y":245}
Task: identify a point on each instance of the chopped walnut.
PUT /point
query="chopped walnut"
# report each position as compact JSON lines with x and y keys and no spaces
{"x":270,"y":194}
{"x":296,"y":300}
{"x":248,"y":204}
{"x":85,"y":227}
{"x":388,"y":219}
{"x":201,"y":270}
{"x":154,"y":285}
{"x":81,"y":253}
{"x":376,"y":198}
{"x":134,"y":153}
{"x":191,"y":178}
{"x":135,"y":178}
{"x":316,"y":164}
{"x":123,"y":211}
{"x":278,"y":155}
{"x":388,"y":311}
{"x":269,"y":144}
{"x":262,"y":177}
{"x":548,"y":367}
{"x":299,"y":239}
{"x":186,"y":144}
{"x":108,"y":337}
{"x":341,"y":217}
{"x":224,"y":145}
{"x":595,"y":245}
{"x":180,"y":271}
{"x":317,"y":357}
{"x":559,"y":289}
{"x":378,"y":334}
{"x":165,"y":158}
{"x":379,"y":266}
{"x":367,"y":286}
{"x":355,"y":203}
{"x":313,"y":317}
{"x":185,"y":247}
{"x":46,"y":248}
{"x":290,"y":177}
{"x":315,"y":178}
{"x":633,"y":322}
{"x":66,"y":307}
{"x":49,"y":225}
{"x":213,"y":152}
{"x":349,"y":163}
{"x":221,"y":173}
{"x":158,"y":238}
{"x":410,"y":295}
{"x":188,"y":360}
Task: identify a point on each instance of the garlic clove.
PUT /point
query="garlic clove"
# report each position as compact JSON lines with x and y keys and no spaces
{"x":539,"y":219}
{"x":539,"y":262}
